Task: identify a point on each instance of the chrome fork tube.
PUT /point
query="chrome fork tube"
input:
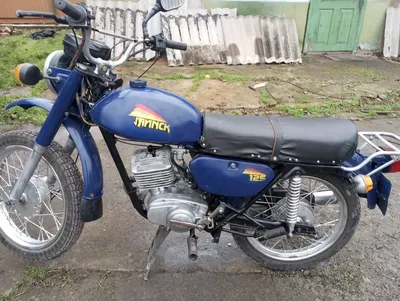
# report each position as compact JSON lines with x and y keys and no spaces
{"x":27,"y":172}
{"x":69,"y":146}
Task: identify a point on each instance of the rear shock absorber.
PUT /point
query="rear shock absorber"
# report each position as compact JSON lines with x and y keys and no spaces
{"x":293,"y":202}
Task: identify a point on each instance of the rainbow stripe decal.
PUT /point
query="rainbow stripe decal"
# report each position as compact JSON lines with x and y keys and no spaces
{"x":255,"y":175}
{"x":147,"y":118}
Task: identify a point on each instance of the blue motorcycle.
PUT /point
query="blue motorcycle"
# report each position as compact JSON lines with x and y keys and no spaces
{"x":286,"y":188}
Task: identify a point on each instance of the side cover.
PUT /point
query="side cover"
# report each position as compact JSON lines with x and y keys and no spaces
{"x":230,"y":178}
{"x":147,"y":114}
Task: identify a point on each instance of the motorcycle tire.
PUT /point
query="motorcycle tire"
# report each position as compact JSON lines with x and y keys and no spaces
{"x":39,"y":198}
{"x":346,"y":192}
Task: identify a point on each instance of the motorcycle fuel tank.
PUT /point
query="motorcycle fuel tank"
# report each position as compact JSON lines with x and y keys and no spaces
{"x":143,"y":113}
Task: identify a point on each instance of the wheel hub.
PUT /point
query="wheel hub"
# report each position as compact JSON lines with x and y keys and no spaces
{"x":305,"y":213}
{"x":32,"y":199}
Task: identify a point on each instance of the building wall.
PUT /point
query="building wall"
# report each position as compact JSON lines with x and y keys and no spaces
{"x":297,"y":9}
{"x":9,"y":7}
{"x":372,"y":33}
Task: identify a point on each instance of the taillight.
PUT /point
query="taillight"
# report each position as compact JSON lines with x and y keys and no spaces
{"x":395,"y":167}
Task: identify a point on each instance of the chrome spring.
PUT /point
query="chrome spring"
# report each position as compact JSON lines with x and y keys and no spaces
{"x":293,"y":201}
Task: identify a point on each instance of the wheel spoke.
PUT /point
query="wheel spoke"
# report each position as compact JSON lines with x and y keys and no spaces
{"x":24,"y":224}
{"x":328,"y":219}
{"x":277,"y":243}
{"x":50,"y":209}
{"x":327,"y":224}
{"x":8,"y":172}
{"x":48,"y":234}
{"x":4,"y":190}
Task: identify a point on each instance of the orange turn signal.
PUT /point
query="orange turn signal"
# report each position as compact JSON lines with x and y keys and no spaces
{"x":17,"y":72}
{"x":369,"y":184}
{"x":364,"y":183}
{"x":28,"y":74}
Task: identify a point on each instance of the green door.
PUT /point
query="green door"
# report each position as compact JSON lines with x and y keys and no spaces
{"x":334,"y":25}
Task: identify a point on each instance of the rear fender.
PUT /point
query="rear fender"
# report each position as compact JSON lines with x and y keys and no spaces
{"x":89,"y":156}
{"x":380,"y":194}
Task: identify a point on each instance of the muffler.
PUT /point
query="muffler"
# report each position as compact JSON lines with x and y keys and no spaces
{"x":324,"y":197}
{"x":192,"y":246}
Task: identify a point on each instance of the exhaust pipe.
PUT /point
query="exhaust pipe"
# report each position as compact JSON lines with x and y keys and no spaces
{"x":324,"y":197}
{"x":192,"y":246}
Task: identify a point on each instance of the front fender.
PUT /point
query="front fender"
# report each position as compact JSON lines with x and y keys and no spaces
{"x":88,"y":152}
{"x":27,"y":103}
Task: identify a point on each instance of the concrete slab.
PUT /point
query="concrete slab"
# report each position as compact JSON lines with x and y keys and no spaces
{"x":346,"y":57}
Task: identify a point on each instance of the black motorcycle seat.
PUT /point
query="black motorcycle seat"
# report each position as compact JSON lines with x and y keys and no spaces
{"x":266,"y":138}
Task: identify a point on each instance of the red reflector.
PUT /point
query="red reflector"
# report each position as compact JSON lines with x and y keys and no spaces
{"x":395,"y":167}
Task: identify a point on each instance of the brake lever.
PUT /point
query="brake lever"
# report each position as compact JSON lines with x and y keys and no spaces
{"x":61,"y":20}
{"x":22,"y":14}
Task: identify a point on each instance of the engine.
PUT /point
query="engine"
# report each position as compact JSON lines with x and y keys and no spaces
{"x":166,"y":194}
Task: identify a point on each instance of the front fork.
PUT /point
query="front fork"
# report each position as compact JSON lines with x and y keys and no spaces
{"x":65,"y":100}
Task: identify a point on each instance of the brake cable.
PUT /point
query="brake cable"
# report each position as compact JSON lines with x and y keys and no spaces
{"x":78,"y":53}
{"x":155,"y":61}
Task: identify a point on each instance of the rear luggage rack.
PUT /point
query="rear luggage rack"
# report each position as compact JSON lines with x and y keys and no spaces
{"x":377,"y":144}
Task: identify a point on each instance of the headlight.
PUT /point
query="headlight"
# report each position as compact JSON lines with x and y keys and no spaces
{"x":56,"y":59}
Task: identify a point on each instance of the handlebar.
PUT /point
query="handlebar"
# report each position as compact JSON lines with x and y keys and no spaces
{"x":77,"y":16}
{"x":176,"y":45}
{"x":76,"y":12}
{"x":36,"y":14}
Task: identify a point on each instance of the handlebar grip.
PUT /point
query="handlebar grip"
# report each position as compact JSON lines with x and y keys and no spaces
{"x":74,"y":11}
{"x":19,"y":14}
{"x":24,"y":13}
{"x":176,"y":45}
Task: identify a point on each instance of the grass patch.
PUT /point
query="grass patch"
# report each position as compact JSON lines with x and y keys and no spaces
{"x":202,"y":74}
{"x":18,"y":115}
{"x":20,"y":49}
{"x":328,"y":108}
{"x":36,"y":276}
{"x":39,"y":278}
{"x":16,"y":50}
{"x":302,"y":98}
{"x":264,"y":97}
{"x":356,"y":71}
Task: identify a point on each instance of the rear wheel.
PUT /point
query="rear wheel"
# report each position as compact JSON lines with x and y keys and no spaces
{"x":327,"y":202}
{"x":46,"y":221}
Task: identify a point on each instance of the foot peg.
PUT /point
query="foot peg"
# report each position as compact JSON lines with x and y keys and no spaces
{"x":192,"y":246}
{"x":161,"y":235}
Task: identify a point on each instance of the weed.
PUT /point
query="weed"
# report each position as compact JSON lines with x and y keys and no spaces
{"x":302,"y":98}
{"x":36,"y":276}
{"x":177,"y":76}
{"x":18,"y":115}
{"x":17,"y":50}
{"x":21,"y":49}
{"x":195,"y":86}
{"x":393,"y":95}
{"x":7,"y":295}
{"x":372,"y":114}
{"x":264,"y":97}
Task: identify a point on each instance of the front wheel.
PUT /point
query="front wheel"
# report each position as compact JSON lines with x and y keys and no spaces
{"x":327,"y":202}
{"x":46,"y":221}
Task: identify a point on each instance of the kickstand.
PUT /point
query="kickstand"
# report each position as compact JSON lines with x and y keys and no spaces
{"x":161,"y":235}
